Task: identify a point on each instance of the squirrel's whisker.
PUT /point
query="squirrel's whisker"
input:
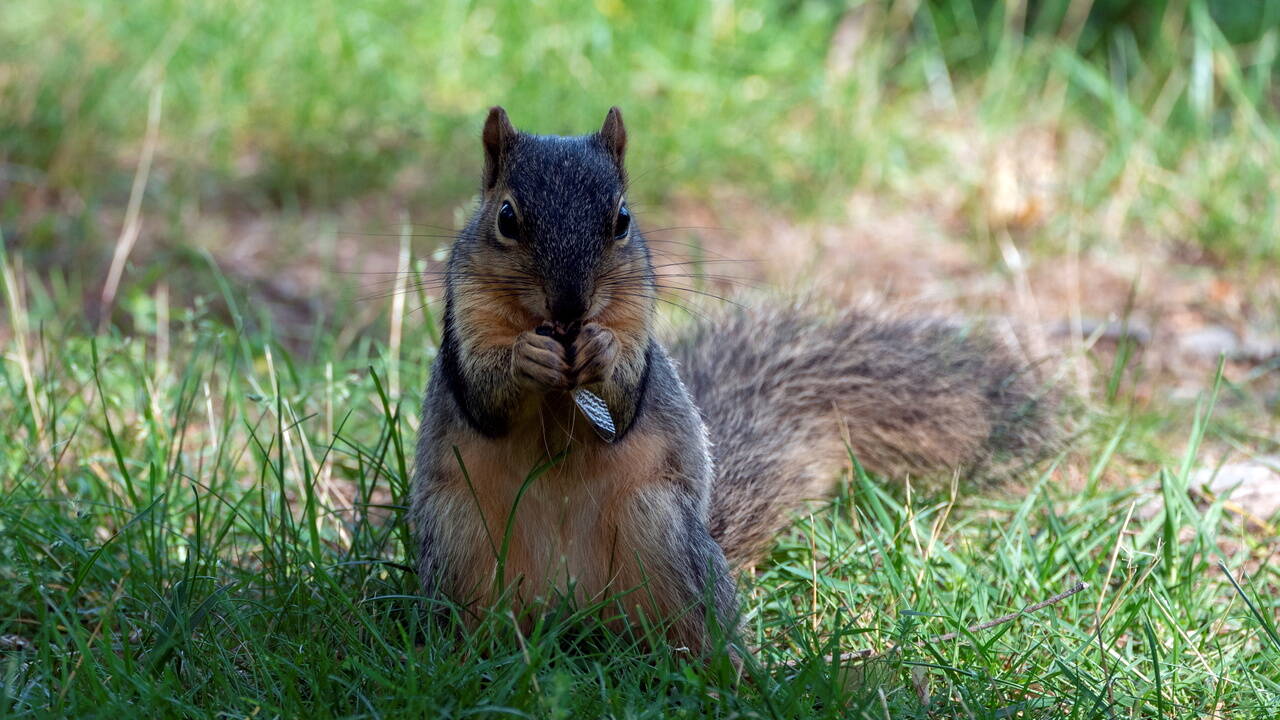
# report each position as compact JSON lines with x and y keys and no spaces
{"x":712,"y":277}
{"x":429,"y":236}
{"x":639,"y":295}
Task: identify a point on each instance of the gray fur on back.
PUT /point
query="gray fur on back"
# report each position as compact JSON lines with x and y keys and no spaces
{"x":783,"y":390}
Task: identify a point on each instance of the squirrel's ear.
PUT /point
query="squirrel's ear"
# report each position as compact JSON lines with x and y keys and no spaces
{"x":498,"y":134}
{"x":614,"y":135}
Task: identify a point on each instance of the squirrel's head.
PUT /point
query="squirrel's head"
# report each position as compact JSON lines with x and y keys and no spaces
{"x":553,"y":234}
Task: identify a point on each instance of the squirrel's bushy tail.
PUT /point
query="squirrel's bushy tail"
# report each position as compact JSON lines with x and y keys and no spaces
{"x":782,"y":391}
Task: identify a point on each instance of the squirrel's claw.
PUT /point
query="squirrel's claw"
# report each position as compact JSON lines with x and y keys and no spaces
{"x":595,"y":354}
{"x":538,"y":361}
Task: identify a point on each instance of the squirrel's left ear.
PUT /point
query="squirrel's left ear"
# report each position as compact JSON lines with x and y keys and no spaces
{"x":614,"y":135}
{"x":498,"y":134}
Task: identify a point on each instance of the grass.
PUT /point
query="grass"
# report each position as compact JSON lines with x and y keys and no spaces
{"x":214,"y":524}
{"x":1166,"y":122}
{"x":201,"y":504}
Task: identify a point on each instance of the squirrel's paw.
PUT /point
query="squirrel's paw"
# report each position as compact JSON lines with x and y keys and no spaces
{"x":537,"y":361}
{"x":595,"y":353}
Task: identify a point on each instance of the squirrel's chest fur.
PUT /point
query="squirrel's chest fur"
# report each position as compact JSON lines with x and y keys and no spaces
{"x":581,"y":527}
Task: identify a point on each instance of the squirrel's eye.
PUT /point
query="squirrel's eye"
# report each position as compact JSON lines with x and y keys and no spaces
{"x":622,"y":225}
{"x":508,"y":224}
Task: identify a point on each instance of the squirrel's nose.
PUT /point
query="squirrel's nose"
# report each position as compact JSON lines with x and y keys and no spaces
{"x":568,"y":308}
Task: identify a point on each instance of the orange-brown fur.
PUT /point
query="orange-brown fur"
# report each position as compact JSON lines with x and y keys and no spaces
{"x":570,"y":526}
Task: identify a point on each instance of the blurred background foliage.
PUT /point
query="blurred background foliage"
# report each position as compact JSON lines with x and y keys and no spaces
{"x":304,"y":104}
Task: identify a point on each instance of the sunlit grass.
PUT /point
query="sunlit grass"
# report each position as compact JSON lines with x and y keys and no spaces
{"x":216,"y":523}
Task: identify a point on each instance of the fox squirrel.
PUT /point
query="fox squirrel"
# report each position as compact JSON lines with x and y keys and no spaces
{"x":700,"y":451}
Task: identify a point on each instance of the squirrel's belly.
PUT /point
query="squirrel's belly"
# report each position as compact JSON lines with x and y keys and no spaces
{"x":569,"y":535}
{"x":564,"y":533}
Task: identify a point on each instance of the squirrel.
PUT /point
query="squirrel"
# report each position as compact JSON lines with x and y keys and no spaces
{"x":706,"y":445}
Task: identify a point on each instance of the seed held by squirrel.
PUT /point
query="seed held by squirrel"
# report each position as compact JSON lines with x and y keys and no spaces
{"x":719,"y":436}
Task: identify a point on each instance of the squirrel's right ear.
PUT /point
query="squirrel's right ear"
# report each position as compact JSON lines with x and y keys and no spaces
{"x":498,"y":134}
{"x":614,"y":135}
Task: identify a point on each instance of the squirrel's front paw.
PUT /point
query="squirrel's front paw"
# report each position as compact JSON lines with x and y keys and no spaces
{"x":538,"y":361}
{"x":595,"y":353}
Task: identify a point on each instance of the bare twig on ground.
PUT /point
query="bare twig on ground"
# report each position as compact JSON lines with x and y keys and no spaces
{"x":133,"y":214}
